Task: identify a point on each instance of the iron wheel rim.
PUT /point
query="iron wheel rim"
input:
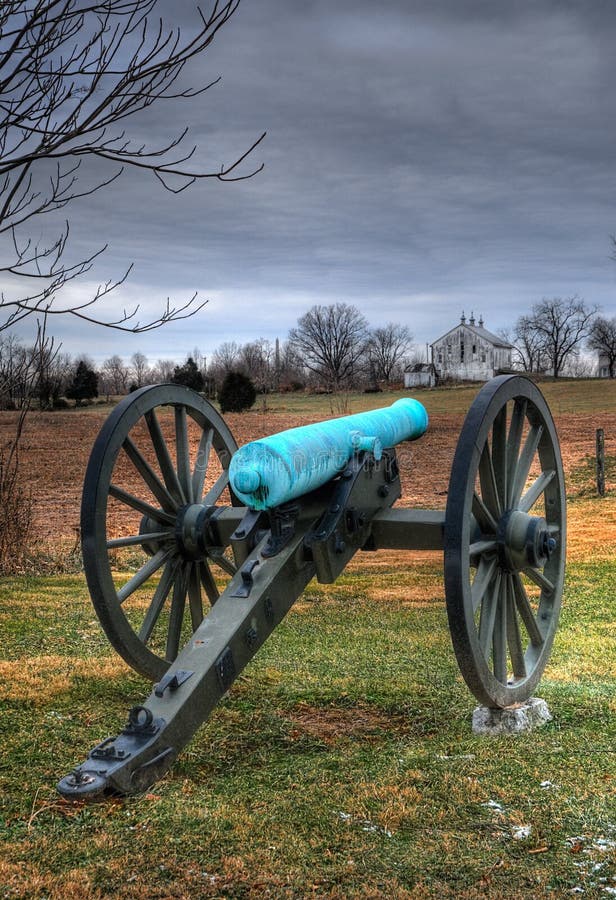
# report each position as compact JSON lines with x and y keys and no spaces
{"x":503,"y":619}
{"x":166,"y":560}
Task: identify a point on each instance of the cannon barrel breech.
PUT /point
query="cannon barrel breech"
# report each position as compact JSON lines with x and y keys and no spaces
{"x":279,"y":468}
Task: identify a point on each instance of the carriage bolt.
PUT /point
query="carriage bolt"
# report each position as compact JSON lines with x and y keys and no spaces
{"x":549,"y":545}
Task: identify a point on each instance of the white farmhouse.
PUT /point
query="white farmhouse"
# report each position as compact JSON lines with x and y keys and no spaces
{"x":470,"y":352}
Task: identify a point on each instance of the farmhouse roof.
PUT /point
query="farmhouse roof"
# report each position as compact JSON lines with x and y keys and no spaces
{"x":421,"y":367}
{"x":479,"y":330}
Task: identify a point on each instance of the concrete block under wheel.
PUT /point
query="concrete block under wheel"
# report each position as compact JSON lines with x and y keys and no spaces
{"x":513,"y":719}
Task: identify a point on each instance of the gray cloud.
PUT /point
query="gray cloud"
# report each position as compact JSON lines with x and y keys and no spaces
{"x":421,"y":157}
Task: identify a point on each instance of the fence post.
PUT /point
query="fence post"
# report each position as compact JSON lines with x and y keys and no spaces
{"x":600,"y":462}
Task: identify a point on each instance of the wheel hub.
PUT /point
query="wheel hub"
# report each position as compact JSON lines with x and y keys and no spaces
{"x":523,"y":540}
{"x":190,"y":530}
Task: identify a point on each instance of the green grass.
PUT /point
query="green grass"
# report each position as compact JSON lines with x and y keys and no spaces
{"x":341,"y":764}
{"x":566,"y":395}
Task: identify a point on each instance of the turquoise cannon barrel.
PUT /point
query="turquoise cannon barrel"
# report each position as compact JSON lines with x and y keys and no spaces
{"x":279,"y":468}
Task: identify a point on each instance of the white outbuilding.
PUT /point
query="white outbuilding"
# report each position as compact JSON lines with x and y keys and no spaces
{"x":420,"y":375}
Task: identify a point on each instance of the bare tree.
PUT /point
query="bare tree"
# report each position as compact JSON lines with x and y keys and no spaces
{"x":13,"y":368}
{"x":562,"y":325}
{"x":227,"y":355}
{"x":53,"y":376}
{"x":289,"y":368}
{"x":529,"y":346}
{"x":225,"y":359}
{"x":16,"y":505}
{"x":115,"y":373}
{"x":72,"y":72}
{"x":388,"y":349}
{"x":140,"y":369}
{"x":331,"y":341}
{"x":602,"y":338}
{"x":163,"y":370}
{"x":256,"y":361}
{"x":72,"y":75}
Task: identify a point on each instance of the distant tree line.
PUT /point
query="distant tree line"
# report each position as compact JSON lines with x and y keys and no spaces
{"x":332,"y":348}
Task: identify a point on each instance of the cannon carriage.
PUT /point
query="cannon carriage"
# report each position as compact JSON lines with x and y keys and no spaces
{"x":222,"y":543}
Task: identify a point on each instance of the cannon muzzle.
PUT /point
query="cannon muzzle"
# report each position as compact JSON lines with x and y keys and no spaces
{"x":276,"y":469}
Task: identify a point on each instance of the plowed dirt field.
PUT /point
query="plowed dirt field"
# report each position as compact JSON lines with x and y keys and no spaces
{"x":57,"y":445}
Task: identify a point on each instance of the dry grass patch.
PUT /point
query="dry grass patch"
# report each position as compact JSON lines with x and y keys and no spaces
{"x":334,"y":724}
{"x":41,"y":679}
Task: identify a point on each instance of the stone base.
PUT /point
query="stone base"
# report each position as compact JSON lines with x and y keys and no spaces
{"x":511,"y":720}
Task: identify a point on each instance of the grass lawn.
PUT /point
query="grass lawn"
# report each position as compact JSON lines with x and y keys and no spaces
{"x":341,"y":764}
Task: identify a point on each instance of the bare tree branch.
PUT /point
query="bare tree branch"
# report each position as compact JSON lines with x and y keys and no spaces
{"x":71,"y":73}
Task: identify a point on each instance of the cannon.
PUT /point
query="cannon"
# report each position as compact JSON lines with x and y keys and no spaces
{"x":194,"y":551}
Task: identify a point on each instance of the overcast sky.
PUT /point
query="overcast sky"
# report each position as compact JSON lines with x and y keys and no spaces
{"x":422,"y":157}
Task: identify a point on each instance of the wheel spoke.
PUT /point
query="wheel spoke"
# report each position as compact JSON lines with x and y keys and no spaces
{"x":518,"y":417}
{"x":538,"y":486}
{"x":207,"y":580}
{"x":146,"y":571}
{"x":540,"y":580}
{"x":488,"y":616}
{"x":154,"y":537}
{"x":216,"y":490}
{"x":141,"y":506}
{"x":514,"y":638}
{"x":149,"y":476}
{"x":479,"y":547}
{"x":183,"y":452}
{"x":524,"y":462}
{"x":484,"y":517}
{"x":218,"y":557}
{"x":194,"y":597}
{"x":526,"y":612}
{"x":499,"y":638}
{"x":499,"y":455}
{"x":485,"y":572}
{"x":176,"y":615}
{"x":163,"y":456}
{"x":487,"y":479}
{"x":201,"y":463}
{"x":158,"y":600}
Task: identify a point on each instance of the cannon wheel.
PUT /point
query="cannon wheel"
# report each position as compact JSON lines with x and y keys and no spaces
{"x":161,"y":457}
{"x":505,"y":536}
